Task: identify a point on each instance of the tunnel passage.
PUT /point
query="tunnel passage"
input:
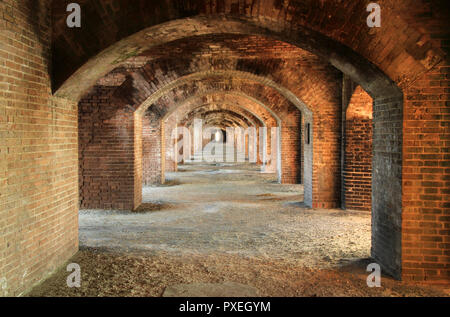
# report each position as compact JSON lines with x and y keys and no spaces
{"x":145,"y":87}
{"x":62,"y":78}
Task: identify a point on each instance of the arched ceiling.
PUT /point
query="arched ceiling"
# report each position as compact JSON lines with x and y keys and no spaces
{"x":183,"y":114}
{"x":217,"y":115}
{"x":219,"y":118}
{"x":267,"y":77}
{"x":115,"y":30}
{"x":290,"y":70}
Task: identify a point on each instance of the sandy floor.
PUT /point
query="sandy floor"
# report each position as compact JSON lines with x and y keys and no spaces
{"x":220,"y":224}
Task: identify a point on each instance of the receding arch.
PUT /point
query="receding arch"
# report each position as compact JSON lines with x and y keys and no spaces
{"x":387,"y":96}
{"x":249,"y":114}
{"x":224,"y":74}
{"x":341,"y":56}
{"x":218,"y":92}
{"x":248,"y":122}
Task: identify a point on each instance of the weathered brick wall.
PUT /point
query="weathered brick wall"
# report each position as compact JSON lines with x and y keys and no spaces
{"x":106,"y":151}
{"x":326,"y":141}
{"x":38,"y":153}
{"x":151,"y":150}
{"x":138,"y":160}
{"x":171,"y":164}
{"x":386,"y":184}
{"x":291,"y":149}
{"x":426,"y":176}
{"x":308,"y":160}
{"x":358,"y":152}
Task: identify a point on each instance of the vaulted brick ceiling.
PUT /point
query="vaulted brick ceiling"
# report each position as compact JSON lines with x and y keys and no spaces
{"x":281,"y":67}
{"x":274,"y":75}
{"x":317,"y":26}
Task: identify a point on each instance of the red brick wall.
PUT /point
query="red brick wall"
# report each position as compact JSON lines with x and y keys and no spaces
{"x":326,"y":141}
{"x":138,"y":160}
{"x":358,"y":152}
{"x":291,"y":149}
{"x":152,"y":172}
{"x":426,"y":177}
{"x":38,"y":153}
{"x":106,"y":152}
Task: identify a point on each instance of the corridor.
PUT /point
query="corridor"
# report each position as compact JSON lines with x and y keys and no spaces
{"x":224,"y":230}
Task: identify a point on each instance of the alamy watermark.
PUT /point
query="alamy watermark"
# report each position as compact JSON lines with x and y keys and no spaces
{"x":374,"y":278}
{"x":74,"y":18}
{"x":374,"y":18}
{"x":74,"y":278}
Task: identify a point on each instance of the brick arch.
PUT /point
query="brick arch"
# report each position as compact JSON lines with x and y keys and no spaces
{"x":366,"y":66}
{"x":252,"y":109}
{"x":216,"y":98}
{"x":267,"y":97}
{"x":288,"y":118}
{"x":257,"y":111}
{"x":228,"y":116}
{"x":221,"y":116}
{"x":228,"y":121}
{"x":203,"y":113}
{"x":143,"y":99}
{"x":251,"y":100}
{"x":291,"y":21}
{"x":247,"y":114}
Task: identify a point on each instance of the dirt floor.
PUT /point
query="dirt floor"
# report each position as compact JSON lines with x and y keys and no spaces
{"x":225,"y":223}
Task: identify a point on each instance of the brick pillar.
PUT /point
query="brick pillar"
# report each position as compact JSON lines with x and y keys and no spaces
{"x":152,"y":144}
{"x":387,"y":187}
{"x":291,"y":148}
{"x":137,"y":160}
{"x":106,"y":151}
{"x":170,"y":151}
{"x":426,"y":178}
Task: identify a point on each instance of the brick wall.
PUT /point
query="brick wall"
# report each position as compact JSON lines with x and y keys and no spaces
{"x":426,"y":177}
{"x":138,"y":160}
{"x":325,"y":142}
{"x":152,"y":172}
{"x":387,"y":184}
{"x":358,"y":152}
{"x":106,"y":151}
{"x":291,"y":149}
{"x":38,"y":153}
{"x":171,"y":164}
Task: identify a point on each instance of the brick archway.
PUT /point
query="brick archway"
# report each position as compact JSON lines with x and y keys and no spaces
{"x":38,"y":179}
{"x":257,"y":115}
{"x":389,"y":152}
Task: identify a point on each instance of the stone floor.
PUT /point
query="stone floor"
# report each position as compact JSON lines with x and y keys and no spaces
{"x":231,"y":209}
{"x":224,"y":224}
